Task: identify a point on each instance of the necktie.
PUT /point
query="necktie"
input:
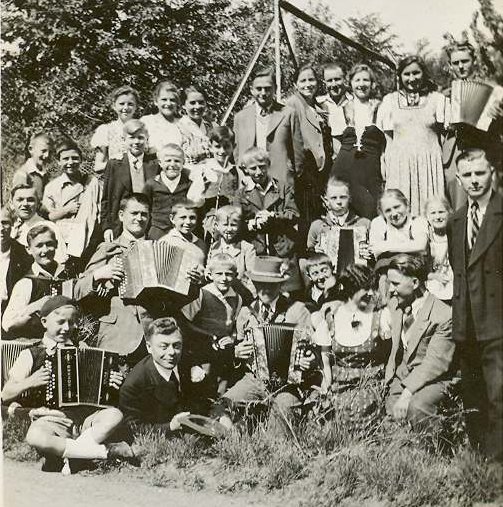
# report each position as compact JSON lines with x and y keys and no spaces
{"x":136,"y":164}
{"x":407,"y":319}
{"x":474,"y":215}
{"x":264,"y":112}
{"x":266,"y":313}
{"x":175,"y":382}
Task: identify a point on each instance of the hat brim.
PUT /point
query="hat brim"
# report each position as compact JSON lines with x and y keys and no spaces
{"x":255,"y":277}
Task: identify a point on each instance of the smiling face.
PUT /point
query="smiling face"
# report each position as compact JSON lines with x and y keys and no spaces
{"x":412,"y":77}
{"x":195,"y":105}
{"x":228,"y":228}
{"x":25,"y":203}
{"x":134,"y":218}
{"x":307,"y":84}
{"x":262,"y":91}
{"x":337,"y":199}
{"x":60,"y":323}
{"x":223,"y":275}
{"x":462,"y":64}
{"x":125,"y":106}
{"x":69,"y":161}
{"x":364,"y":299}
{"x":171,"y":162}
{"x":40,"y":151}
{"x":437,"y":215}
{"x":184,"y":220}
{"x":221,"y":151}
{"x":167,"y":102}
{"x":361,"y":84}
{"x":475,"y":176}
{"x":257,"y":170}
{"x":137,"y":142}
{"x":395,"y":212}
{"x":402,"y":287}
{"x":166,"y":350}
{"x":43,"y":249}
{"x":320,"y":274}
{"x":334,"y":82}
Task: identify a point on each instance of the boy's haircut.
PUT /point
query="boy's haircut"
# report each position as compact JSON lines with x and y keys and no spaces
{"x":222,"y":258}
{"x":473,"y":153}
{"x":133,"y":126}
{"x":165,"y":85}
{"x":23,"y":186}
{"x":165,"y":326}
{"x":36,"y":230}
{"x":439,"y":199}
{"x":184,"y":204}
{"x":393,"y":192}
{"x":410,"y":265}
{"x":332,"y":66}
{"x":316,"y":260}
{"x":264,"y":72}
{"x":361,"y":67}
{"x":337,"y":182}
{"x":136,"y":197}
{"x":221,"y":134}
{"x":124,"y":90}
{"x":171,"y":146}
{"x":67,"y":145}
{"x":229,"y":211}
{"x":255,"y":154}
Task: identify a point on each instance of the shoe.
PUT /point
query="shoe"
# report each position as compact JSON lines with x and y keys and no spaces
{"x":52,"y":464}
{"x":121,"y":450}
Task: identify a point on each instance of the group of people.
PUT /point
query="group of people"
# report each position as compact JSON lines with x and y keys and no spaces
{"x":331,"y":214}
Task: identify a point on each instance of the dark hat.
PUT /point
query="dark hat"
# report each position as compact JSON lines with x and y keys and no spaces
{"x":57,"y":302}
{"x":268,"y":270}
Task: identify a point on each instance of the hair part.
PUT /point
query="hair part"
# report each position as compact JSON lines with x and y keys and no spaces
{"x":414,"y":266}
{"x":395,"y":194}
{"x":164,"y":326}
{"x":37,"y":230}
{"x":135,"y":197}
{"x":134,"y":126}
{"x":427,"y":84}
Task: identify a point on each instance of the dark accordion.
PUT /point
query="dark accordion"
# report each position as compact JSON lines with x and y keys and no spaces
{"x":278,"y":349}
{"x":10,"y":352}
{"x":342,"y":245}
{"x":472,"y":101}
{"x":150,"y":266}
{"x":80,"y":376}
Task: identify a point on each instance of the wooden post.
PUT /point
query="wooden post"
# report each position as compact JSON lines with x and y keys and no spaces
{"x":277,"y":49}
{"x":248,"y":71}
{"x":288,"y":42}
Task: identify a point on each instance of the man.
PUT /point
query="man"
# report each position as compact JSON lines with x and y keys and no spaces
{"x":270,"y":126}
{"x":419,"y":366}
{"x":475,"y":235}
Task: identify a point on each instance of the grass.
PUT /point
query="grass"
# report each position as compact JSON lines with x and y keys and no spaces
{"x":329,"y":462}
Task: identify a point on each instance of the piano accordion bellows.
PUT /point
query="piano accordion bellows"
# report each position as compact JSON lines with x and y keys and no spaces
{"x":154,"y":265}
{"x":10,"y":352}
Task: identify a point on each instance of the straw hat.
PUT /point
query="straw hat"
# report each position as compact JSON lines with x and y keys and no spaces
{"x":268,"y":270}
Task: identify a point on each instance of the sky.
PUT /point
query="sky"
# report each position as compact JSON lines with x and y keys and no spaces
{"x":411,"y":20}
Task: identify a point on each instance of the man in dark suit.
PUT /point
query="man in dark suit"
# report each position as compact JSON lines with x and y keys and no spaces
{"x":271,"y":126}
{"x":125,"y":177}
{"x":475,"y":235}
{"x":419,"y":366}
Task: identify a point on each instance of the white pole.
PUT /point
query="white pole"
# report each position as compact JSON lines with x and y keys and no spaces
{"x":277,"y":49}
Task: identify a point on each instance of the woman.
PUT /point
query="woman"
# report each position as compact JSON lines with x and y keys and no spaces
{"x":362,"y":143}
{"x":309,"y":185}
{"x":352,"y":351}
{"x":412,"y":120}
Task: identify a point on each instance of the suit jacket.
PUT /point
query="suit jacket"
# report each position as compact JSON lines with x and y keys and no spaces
{"x":284,"y":141}
{"x":19,"y":265}
{"x":117,"y":185}
{"x":478,"y":275}
{"x":430,"y":348}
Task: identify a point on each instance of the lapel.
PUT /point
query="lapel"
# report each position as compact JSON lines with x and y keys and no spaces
{"x":396,"y":327}
{"x":125,"y":173}
{"x":459,"y":231}
{"x":421,"y":322}
{"x":150,"y":168}
{"x":248,"y":133}
{"x":491,"y":224}
{"x":275,"y":118}
{"x":272,"y":196}
{"x":76,"y":190}
{"x":282,"y":306}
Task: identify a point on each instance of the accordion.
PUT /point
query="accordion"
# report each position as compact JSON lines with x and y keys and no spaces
{"x":278,"y":349}
{"x":342,"y":245}
{"x":471,"y":102}
{"x":154,"y":265}
{"x":80,"y":376}
{"x":10,"y":352}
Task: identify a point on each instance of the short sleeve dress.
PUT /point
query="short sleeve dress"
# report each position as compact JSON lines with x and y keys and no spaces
{"x":110,"y":136}
{"x":413,"y":159}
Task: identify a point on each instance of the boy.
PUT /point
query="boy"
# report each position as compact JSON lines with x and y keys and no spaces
{"x":184,"y":219}
{"x":126,"y":176}
{"x":34,"y":171}
{"x":31,"y":292}
{"x":211,"y":321}
{"x":52,"y":432}
{"x":24,"y":203}
{"x":320,"y":271}
{"x":268,"y":204}
{"x":166,"y":189}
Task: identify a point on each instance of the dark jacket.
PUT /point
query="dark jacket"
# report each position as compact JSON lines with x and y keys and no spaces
{"x":19,"y":265}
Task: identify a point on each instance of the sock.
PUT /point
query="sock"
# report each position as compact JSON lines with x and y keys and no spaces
{"x":84,"y":450}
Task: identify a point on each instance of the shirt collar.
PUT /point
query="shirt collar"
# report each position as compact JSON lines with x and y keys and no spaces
{"x":250,"y":185}
{"x":482,"y":202}
{"x":228,"y":248}
{"x":165,"y":373}
{"x":132,"y":158}
{"x":418,"y":303}
{"x":259,"y":109}
{"x":272,"y":305}
{"x":171,"y":184}
{"x":38,"y":270}
{"x":32,"y":168}
{"x":178,"y":234}
{"x":126,"y":238}
{"x":212,"y":288}
{"x":50,"y":344}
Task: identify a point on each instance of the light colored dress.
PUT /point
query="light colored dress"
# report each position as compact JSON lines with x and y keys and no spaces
{"x":413,"y":158}
{"x":110,"y":136}
{"x":161,"y":131}
{"x":440,"y":264}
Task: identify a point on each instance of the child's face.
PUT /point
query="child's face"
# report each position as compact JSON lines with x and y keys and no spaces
{"x":69,"y":161}
{"x":43,"y":249}
{"x":228,"y":227}
{"x":25,"y":203}
{"x":283,"y":245}
{"x":184,"y":220}
{"x":136,"y":142}
{"x":337,"y":199}
{"x":361,"y":84}
{"x":125,"y":106}
{"x":171,"y":162}
{"x":223,"y":276}
{"x":195,"y":105}
{"x":167,"y":103}
{"x":334,"y":81}
{"x":320,"y":274}
{"x":395,"y":212}
{"x":221,"y":151}
{"x":257,"y":171}
{"x":60,"y":323}
{"x":40,"y":152}
{"x":166,"y":350}
{"x":437,"y":214}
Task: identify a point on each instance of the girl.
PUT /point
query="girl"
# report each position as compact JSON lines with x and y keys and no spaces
{"x":412,"y":119}
{"x":162,"y":127}
{"x":440,"y":279}
{"x":362,"y":143}
{"x":194,"y":127}
{"x":109,"y":141}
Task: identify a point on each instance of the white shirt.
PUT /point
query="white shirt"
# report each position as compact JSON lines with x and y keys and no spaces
{"x":166,"y":374}
{"x":171,"y":184}
{"x":261,"y":125}
{"x":481,"y":212}
{"x":137,"y":174}
{"x":4,"y":268}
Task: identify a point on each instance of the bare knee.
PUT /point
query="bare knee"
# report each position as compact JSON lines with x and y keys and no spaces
{"x":38,"y":438}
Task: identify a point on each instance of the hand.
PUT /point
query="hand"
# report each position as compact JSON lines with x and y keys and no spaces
{"x":306,"y":362}
{"x":402,"y":405}
{"x":196,"y":275}
{"x":35,"y":413}
{"x":40,"y":377}
{"x":174,"y":424}
{"x":439,"y":277}
{"x":243,"y":350}
{"x":71,"y":208}
{"x":496,"y":111}
{"x":364,"y":252}
{"x":225,"y":342}
{"x":116,"y":379}
{"x":110,"y":271}
{"x":108,"y":235}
